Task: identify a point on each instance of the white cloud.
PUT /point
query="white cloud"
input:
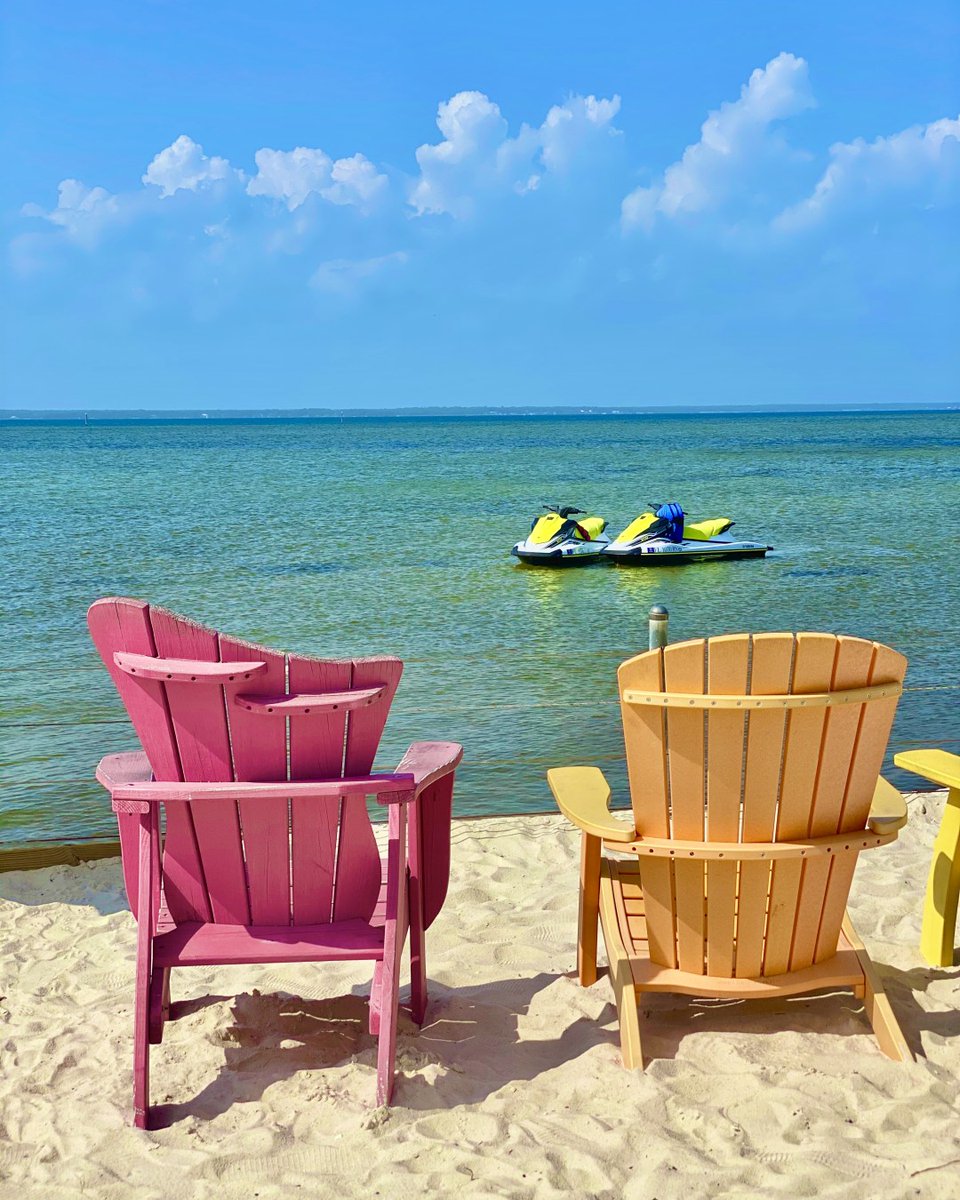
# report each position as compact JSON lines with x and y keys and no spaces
{"x":476,"y":157}
{"x":82,"y":212}
{"x":569,"y":127}
{"x":293,"y":175}
{"x":923,"y":161}
{"x":473,"y":130}
{"x":183,"y":165}
{"x":735,"y":142}
{"x":343,"y":275}
{"x":354,"y":180}
{"x":290,"y":175}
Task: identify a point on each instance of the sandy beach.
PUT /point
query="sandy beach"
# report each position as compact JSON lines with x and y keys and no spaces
{"x":264,"y":1083}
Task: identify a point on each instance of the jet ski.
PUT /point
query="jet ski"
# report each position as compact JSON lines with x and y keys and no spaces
{"x":557,"y":540}
{"x":663,"y":536}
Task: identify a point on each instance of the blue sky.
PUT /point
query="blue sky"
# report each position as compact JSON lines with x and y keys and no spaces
{"x":247,"y":205}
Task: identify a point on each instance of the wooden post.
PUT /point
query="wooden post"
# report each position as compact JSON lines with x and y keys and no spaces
{"x":659,"y":619}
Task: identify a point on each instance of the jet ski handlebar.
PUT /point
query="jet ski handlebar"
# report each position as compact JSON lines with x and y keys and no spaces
{"x":562,"y":512}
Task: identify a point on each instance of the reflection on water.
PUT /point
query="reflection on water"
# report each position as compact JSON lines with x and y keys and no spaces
{"x":394,"y":537}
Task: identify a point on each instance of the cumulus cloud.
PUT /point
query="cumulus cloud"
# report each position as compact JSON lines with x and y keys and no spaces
{"x":735,"y":141}
{"x":184,"y":166}
{"x":293,"y":175}
{"x":477,"y":158}
{"x":82,"y":212}
{"x":922,"y":162}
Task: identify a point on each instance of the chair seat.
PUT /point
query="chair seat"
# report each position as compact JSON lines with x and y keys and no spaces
{"x":625,"y":936}
{"x":203,"y":944}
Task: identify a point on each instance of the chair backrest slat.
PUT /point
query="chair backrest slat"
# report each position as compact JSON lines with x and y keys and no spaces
{"x":316,"y":752}
{"x":683,"y":671}
{"x":358,"y":865}
{"x":812,"y":672}
{"x":770,"y":668}
{"x":126,"y":623}
{"x":260,"y":755}
{"x":872,"y":737}
{"x":643,"y":735}
{"x":728,"y":663}
{"x":851,"y":670}
{"x":727,"y":673}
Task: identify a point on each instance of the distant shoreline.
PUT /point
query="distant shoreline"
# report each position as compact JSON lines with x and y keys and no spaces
{"x":22,"y":416}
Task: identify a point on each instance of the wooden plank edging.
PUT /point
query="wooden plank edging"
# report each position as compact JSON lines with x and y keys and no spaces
{"x":33,"y":858}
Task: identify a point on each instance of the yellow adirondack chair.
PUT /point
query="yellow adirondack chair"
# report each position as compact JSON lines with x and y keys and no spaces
{"x":754,"y":764}
{"x":943,"y":883}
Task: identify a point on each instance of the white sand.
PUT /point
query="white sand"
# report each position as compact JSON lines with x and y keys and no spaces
{"x":265,"y":1083}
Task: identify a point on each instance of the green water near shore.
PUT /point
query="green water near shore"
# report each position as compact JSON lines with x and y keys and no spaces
{"x":392,"y":535}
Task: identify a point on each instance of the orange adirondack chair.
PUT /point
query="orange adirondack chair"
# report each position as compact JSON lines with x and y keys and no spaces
{"x":754,"y":778}
{"x":261,"y":762}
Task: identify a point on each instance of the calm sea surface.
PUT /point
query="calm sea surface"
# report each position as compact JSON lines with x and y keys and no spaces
{"x":387,"y":535}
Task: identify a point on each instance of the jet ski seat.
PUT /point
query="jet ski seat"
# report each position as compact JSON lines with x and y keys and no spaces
{"x":592,"y":526}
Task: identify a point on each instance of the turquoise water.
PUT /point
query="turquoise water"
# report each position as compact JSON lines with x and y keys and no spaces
{"x":390,"y":535}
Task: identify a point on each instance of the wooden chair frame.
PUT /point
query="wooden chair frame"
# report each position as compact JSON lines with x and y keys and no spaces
{"x":261,"y":763}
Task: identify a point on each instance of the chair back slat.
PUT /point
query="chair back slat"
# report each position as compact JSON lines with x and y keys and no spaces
{"x":770,"y":669}
{"x":316,"y":752}
{"x":812,"y":672}
{"x":646,"y":746}
{"x":260,"y":756}
{"x":851,"y":670}
{"x":683,"y":671}
{"x":117,"y":623}
{"x":872,"y":738}
{"x":786,"y":770}
{"x":727,"y":673}
{"x":728,"y":663}
{"x":358,"y":865}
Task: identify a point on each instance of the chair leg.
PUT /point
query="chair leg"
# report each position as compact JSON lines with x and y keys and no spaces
{"x":589,"y":909}
{"x":881,"y":1016}
{"x":141,"y":1045}
{"x":387,"y":1043}
{"x":943,"y":887}
{"x":628,"y":1012}
{"x":376,"y":999}
{"x":159,"y":1003}
{"x":418,"y":970}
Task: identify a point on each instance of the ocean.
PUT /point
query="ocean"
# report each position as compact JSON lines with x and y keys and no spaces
{"x":392,"y":535}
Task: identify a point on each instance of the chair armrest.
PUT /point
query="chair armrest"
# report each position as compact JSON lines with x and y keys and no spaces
{"x":888,"y":809}
{"x":399,"y":789}
{"x":583,"y":796}
{"x":429,"y":761}
{"x":118,"y":770}
{"x":938,"y":766}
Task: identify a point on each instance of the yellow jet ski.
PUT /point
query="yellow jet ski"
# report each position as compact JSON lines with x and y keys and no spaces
{"x":557,"y":540}
{"x":663,"y":536}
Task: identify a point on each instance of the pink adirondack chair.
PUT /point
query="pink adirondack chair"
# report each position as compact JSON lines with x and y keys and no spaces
{"x":261,"y":762}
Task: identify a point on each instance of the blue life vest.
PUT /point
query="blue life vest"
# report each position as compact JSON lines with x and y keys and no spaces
{"x":674,"y":514}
